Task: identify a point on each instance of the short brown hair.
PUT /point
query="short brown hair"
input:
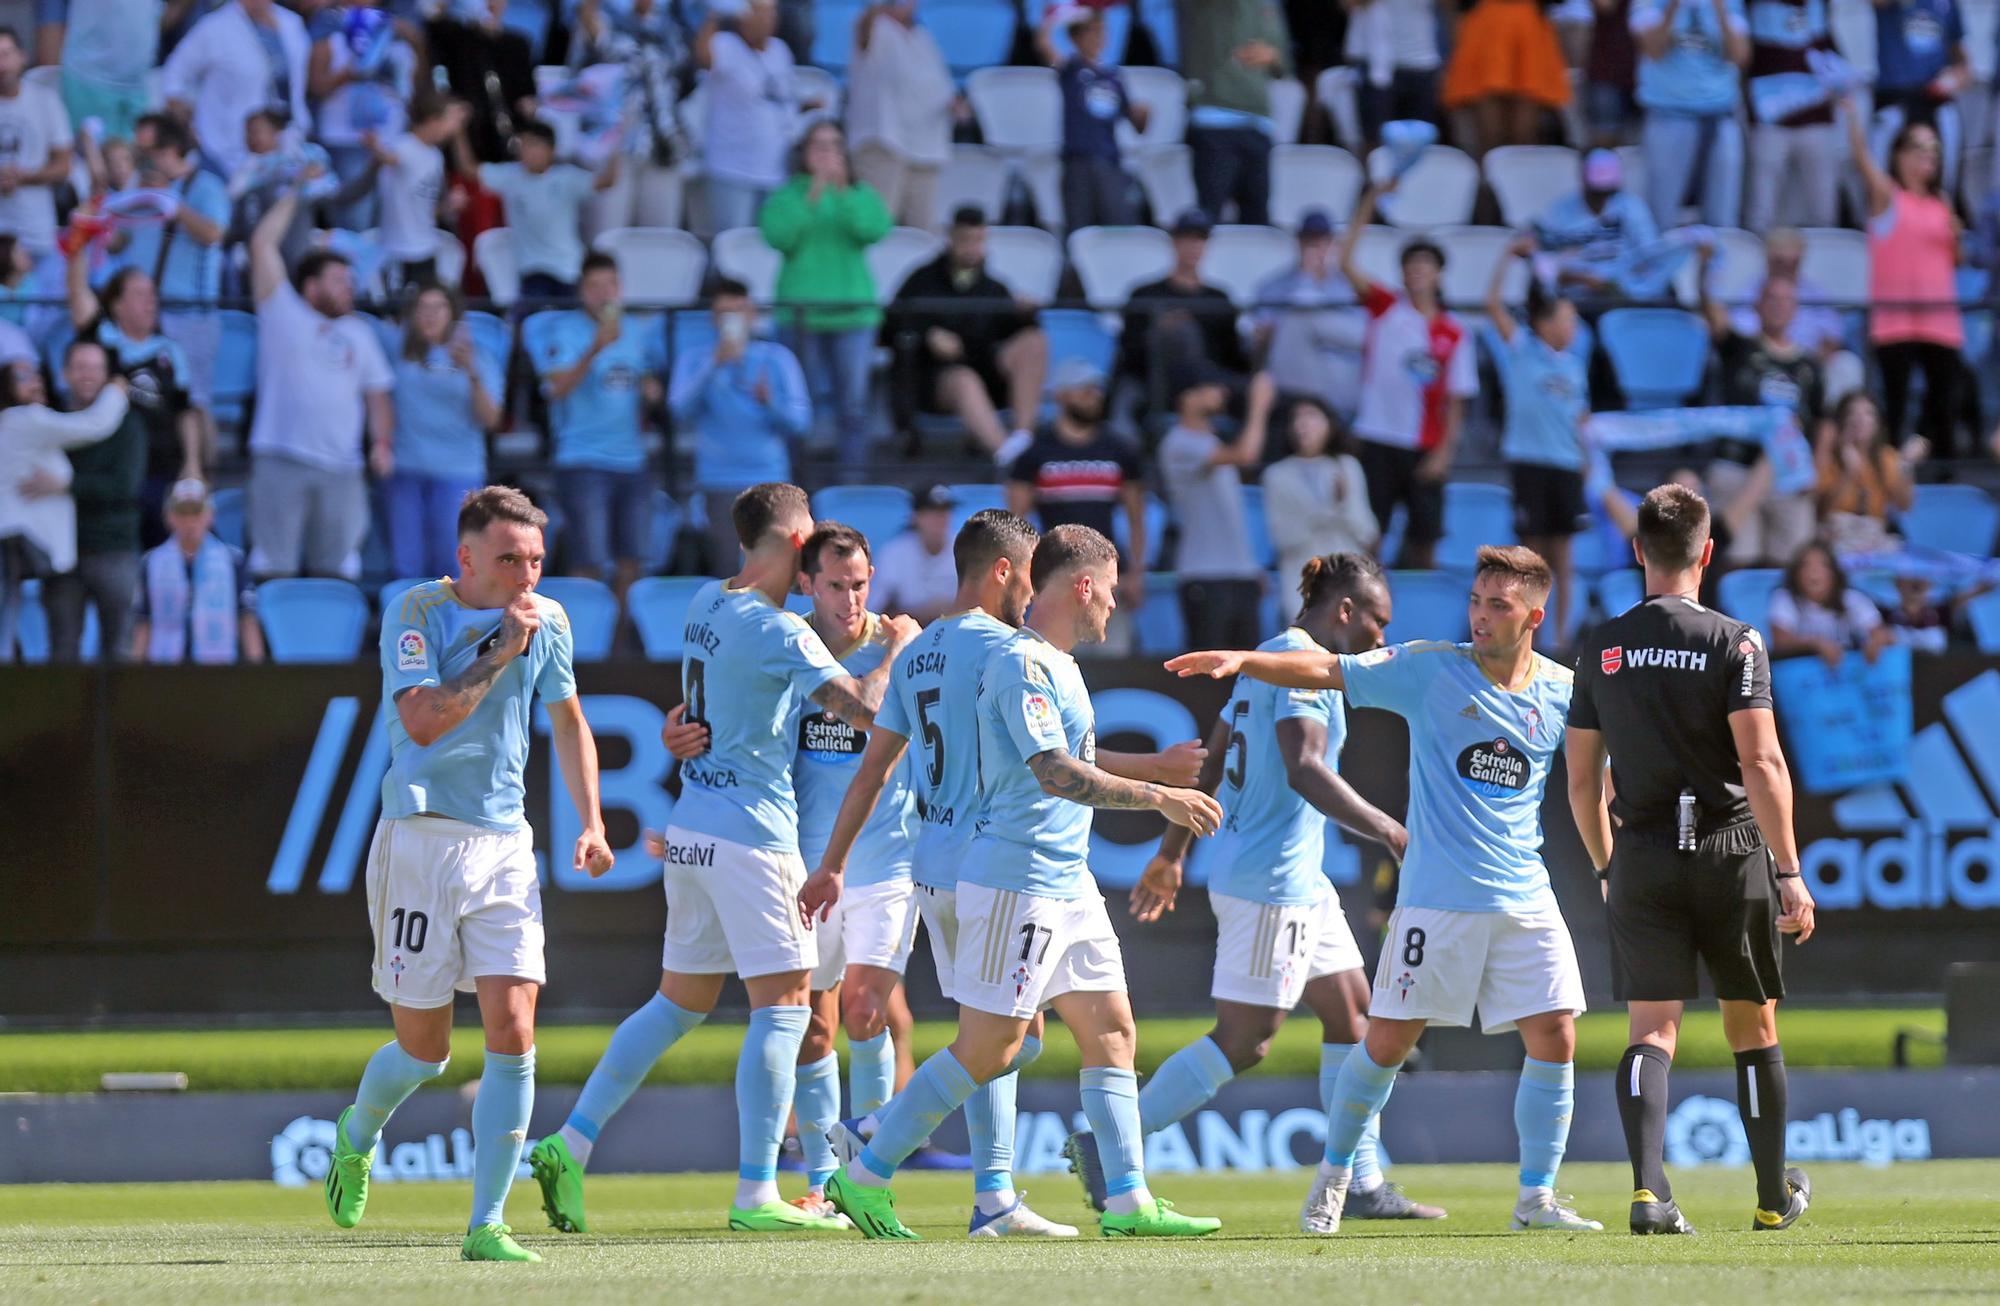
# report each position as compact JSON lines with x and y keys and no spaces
{"x":492,"y":503}
{"x":1520,"y":563}
{"x":1069,"y":546}
{"x":841,"y":538}
{"x":1673,"y":527}
{"x":990,"y":535}
{"x":758,"y":509}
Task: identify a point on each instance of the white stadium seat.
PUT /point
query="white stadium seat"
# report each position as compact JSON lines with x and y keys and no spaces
{"x":1470,"y":253}
{"x":1734,"y":276}
{"x":1019,"y":109}
{"x":1288,"y":108}
{"x":1167,"y":177}
{"x":1312,"y":177}
{"x":1526,"y":178}
{"x":974,"y":175}
{"x":1379,"y":254}
{"x":1241,"y":258}
{"x":1164,"y":94}
{"x":893,"y":258}
{"x":1113,"y":260}
{"x":1438,"y":192}
{"x":811,"y":84}
{"x":1836,"y":263}
{"x":1026,"y":260}
{"x":493,"y":251}
{"x":657,"y":265}
{"x":741,"y":254}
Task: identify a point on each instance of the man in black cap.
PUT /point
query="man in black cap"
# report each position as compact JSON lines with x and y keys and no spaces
{"x":915,"y":572}
{"x":1702,"y":861}
{"x":965,"y":344}
{"x":1180,"y":320}
{"x":1307,"y":335}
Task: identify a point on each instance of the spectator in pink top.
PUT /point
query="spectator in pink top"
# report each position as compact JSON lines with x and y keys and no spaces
{"x":1913,"y":323}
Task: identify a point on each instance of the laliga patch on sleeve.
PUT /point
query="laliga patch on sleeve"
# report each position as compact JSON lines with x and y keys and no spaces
{"x":1041,"y":714}
{"x":411,"y":652}
{"x":1377,"y":656}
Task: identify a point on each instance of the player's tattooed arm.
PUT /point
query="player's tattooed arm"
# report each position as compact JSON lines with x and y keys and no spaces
{"x":1065,"y":776}
{"x":1302,"y":745}
{"x":428,"y":713}
{"x":856,"y":701}
{"x":1296,"y":670}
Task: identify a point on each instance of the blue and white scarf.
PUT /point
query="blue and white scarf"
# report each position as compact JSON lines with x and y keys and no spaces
{"x":211,"y":598}
{"x":1777,"y":429}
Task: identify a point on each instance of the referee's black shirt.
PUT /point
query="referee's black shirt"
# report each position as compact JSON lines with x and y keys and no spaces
{"x":1660,"y":681}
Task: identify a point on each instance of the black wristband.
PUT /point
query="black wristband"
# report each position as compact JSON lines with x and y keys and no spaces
{"x":1789,"y":875}
{"x":1604,"y":876}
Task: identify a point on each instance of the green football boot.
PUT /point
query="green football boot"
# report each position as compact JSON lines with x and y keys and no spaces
{"x":495,"y":1242}
{"x":1160,"y":1220}
{"x":561,"y":1180}
{"x":347,"y":1177}
{"x":873,"y":1210}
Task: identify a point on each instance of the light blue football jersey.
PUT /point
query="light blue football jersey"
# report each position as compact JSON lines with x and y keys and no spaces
{"x":829,"y":755}
{"x":473,"y":772}
{"x":1272,"y":841}
{"x":1031,"y":700}
{"x":1479,"y":763}
{"x":749,"y":668}
{"x":933,"y":703}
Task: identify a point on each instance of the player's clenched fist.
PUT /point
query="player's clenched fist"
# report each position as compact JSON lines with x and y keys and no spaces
{"x":593,"y":854}
{"x":1181,"y":764}
{"x":1191,"y":808}
{"x":899,"y":630}
{"x":518,"y":625}
{"x":1213,"y":664}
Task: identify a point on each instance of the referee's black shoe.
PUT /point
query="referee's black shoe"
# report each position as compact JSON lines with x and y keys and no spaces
{"x":1651,"y":1215}
{"x":1800,"y":1189}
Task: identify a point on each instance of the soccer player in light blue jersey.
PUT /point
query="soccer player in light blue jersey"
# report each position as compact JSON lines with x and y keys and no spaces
{"x":1281,"y":933}
{"x":1476,"y":924}
{"x":733,"y":870}
{"x":452,"y":885}
{"x":1033,"y":931}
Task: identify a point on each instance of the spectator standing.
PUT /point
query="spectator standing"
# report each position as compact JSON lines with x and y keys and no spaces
{"x":37,"y":514}
{"x":1096,"y":192}
{"x":109,"y":48}
{"x":545,"y":202}
{"x":1230,"y":52}
{"x":449,"y":393}
{"x":1548,"y":398}
{"x":600,"y":372}
{"x":916,"y":572}
{"x":1417,"y":371}
{"x":1921,"y":66}
{"x":488,"y":65}
{"x":1316,"y":500}
{"x":124,"y":319}
{"x":1816,"y":326}
{"x":1913,"y":322}
{"x":1815,"y":612}
{"x":1221,"y":582}
{"x":105,"y":477}
{"x":359,"y":74}
{"x":1794,"y":161}
{"x":1609,"y":71}
{"x":901,"y":105}
{"x":196,"y":602}
{"x":1766,"y":368}
{"x":1597,"y":233}
{"x":1076,"y":471}
{"x":970,"y":344}
{"x":1691,"y":56}
{"x":323,"y":383}
{"x":646,"y":40}
{"x":1863,"y":480}
{"x":245,"y":56}
{"x":746,"y":400}
{"x":35,"y":145}
{"x":1507,"y":67}
{"x":1179,"y":320}
{"x":823,"y":222}
{"x":411,"y":188}
{"x":752,"y":106}
{"x":272,"y":162}
{"x":1305,"y":330}
{"x":1394,"y":44}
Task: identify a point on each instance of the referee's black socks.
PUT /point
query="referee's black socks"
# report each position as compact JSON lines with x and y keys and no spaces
{"x":1760,"y":1097}
{"x":1642,"y":1108}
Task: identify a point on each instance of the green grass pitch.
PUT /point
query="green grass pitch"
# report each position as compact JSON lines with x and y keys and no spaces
{"x":1926,"y":1232}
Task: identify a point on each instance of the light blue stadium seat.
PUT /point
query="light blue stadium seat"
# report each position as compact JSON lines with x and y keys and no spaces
{"x":235,"y":378}
{"x":1984,"y":613}
{"x":1878,"y":583}
{"x":1156,"y":531}
{"x":31,"y":628}
{"x":394,"y":589}
{"x":1659,"y":354}
{"x":1428,"y":605}
{"x":1158,"y":627}
{"x":593,"y":613}
{"x":492,"y":336}
{"x":973,"y":496}
{"x":531,"y":19}
{"x":1745,"y":594}
{"x":1261,"y":548}
{"x":879,"y":512}
{"x":312,"y":619}
{"x":659,"y":608}
{"x":1077,"y":333}
{"x":971,"y":34}
{"x":1621,"y":589}
{"x":1160,"y":18}
{"x":1475,"y":513}
{"x":833,"y":33}
{"x":1960,"y":518}
{"x":230,"y":509}
{"x":1598,"y":549}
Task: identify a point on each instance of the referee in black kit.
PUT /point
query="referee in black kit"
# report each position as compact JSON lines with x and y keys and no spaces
{"x":1697,"y":849}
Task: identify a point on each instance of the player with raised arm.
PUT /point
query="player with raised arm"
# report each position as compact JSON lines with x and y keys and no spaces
{"x":1033,"y":931}
{"x":452,"y":885}
{"x":732,"y":863}
{"x":1476,"y":924}
{"x":1281,"y":933}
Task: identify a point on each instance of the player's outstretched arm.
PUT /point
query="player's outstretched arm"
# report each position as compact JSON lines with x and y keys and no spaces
{"x":1302,"y":745}
{"x":576,"y":753}
{"x":822,"y":889}
{"x":430,"y":711}
{"x":1063,"y":775}
{"x":1180,"y":765}
{"x":1767,"y":782}
{"x":1583,"y":750}
{"x":1160,"y":883}
{"x":855,"y":700}
{"x":1302,"y":669}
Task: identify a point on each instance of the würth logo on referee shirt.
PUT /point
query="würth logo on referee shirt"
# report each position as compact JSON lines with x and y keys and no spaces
{"x":1611,"y":659}
{"x":1673,"y":659}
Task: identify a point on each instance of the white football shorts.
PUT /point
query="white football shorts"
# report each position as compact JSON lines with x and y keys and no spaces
{"x":449,"y":902}
{"x":1266,"y":953}
{"x":1016,"y":952}
{"x":871,"y":925}
{"x":1439,"y":965}
{"x":733,"y":909}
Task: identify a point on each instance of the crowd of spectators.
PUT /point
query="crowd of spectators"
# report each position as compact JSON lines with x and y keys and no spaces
{"x":165,"y":164}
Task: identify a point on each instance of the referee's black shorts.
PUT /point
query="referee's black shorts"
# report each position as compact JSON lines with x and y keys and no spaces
{"x":1667,"y":908}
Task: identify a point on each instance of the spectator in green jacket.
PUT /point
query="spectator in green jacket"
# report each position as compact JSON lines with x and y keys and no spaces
{"x":823,"y":222}
{"x":104,"y":483}
{"x":1231,"y":50}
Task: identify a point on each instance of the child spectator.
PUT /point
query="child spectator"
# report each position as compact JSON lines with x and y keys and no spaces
{"x":545,"y":202}
{"x":196,"y":602}
{"x":271,"y":162}
{"x":1814,"y":611}
{"x":411,"y":186}
{"x":1096,"y":192}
